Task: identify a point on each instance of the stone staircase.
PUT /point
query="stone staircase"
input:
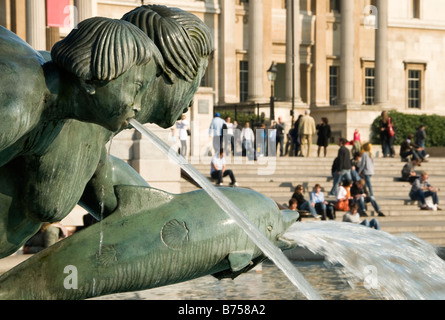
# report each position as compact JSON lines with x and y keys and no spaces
{"x":277,"y":178}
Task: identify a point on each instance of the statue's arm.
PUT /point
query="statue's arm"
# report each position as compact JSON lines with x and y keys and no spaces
{"x":22,"y":89}
{"x":99,"y":197}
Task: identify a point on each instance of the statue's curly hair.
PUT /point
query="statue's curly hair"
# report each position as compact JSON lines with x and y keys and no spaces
{"x":181,"y":37}
{"x":103,"y":49}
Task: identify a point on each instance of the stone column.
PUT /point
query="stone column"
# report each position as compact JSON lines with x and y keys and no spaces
{"x":52,"y":36}
{"x":227,"y":44}
{"x":5,"y":14}
{"x":381,"y":53}
{"x":85,"y":9}
{"x":36,"y":24}
{"x":347,"y":53}
{"x":293,"y":51}
{"x":319,"y":83}
{"x":255,"y":52}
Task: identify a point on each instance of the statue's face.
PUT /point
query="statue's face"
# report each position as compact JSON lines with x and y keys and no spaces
{"x":166,"y":103}
{"x":140,"y":94}
{"x":119,"y":100}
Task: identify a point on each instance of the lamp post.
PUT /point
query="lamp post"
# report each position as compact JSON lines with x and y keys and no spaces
{"x":272,"y":76}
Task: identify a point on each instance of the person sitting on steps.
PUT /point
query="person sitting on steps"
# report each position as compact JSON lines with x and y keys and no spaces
{"x":353,"y":216}
{"x":422,"y":189}
{"x":303,"y":204}
{"x":408,"y":171}
{"x":409,"y":148}
{"x":361,"y":196}
{"x":218,"y":169}
{"x":322,"y":206}
{"x":343,"y":196}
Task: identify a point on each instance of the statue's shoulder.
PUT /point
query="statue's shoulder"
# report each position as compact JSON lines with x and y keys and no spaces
{"x":14,"y":50}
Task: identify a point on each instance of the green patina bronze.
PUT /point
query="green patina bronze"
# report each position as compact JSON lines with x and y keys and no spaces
{"x":153,"y":239}
{"x":58,"y":111}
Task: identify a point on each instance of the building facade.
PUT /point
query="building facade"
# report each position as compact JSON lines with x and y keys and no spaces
{"x":346,"y":60}
{"x":353,"y":59}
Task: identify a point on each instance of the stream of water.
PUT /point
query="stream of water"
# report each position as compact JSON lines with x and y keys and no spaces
{"x":272,"y":252}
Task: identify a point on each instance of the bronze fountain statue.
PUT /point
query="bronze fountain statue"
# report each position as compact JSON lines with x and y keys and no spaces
{"x":58,"y":112}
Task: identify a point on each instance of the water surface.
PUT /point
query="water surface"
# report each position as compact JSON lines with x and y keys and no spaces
{"x":267,"y":283}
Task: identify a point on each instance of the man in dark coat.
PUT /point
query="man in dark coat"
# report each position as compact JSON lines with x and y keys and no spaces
{"x":343,"y":165}
{"x":409,"y":148}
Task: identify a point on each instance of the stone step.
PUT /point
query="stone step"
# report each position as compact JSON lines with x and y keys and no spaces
{"x":384,"y":184}
{"x":418,"y":217}
{"x":384,"y":203}
{"x":328,"y":159}
{"x":281,"y":192}
{"x":439,"y":163}
{"x":381,"y":188}
{"x":413,"y":226}
{"x":433,"y":238}
{"x":401,"y":208}
{"x":438,"y":219}
{"x":274,"y":170}
{"x":380,"y":182}
{"x":259,"y":174}
{"x":332,"y":150}
{"x":413,"y":212}
{"x":289,"y":160}
{"x":292,"y":161}
{"x":309,"y":171}
{"x":402,"y":214}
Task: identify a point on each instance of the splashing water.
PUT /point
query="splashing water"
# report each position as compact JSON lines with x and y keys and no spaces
{"x":102,"y":210}
{"x":393,"y":267}
{"x":235,"y":213}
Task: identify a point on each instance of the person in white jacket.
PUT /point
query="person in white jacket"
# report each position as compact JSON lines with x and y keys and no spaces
{"x":183,"y":127}
{"x":248,"y":138}
{"x":218,"y":170}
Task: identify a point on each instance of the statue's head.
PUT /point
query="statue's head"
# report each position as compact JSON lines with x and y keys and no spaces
{"x":110,"y":60}
{"x":186,"y":44}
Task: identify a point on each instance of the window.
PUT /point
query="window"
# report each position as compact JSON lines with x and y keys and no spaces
{"x":415,"y":75}
{"x":369,"y":86}
{"x":243,"y":80}
{"x":416,"y":9}
{"x":414,"y":89}
{"x":334,"y":6}
{"x":333,"y":85}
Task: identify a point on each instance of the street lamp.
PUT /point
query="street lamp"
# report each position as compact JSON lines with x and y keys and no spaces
{"x":272,"y":76}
